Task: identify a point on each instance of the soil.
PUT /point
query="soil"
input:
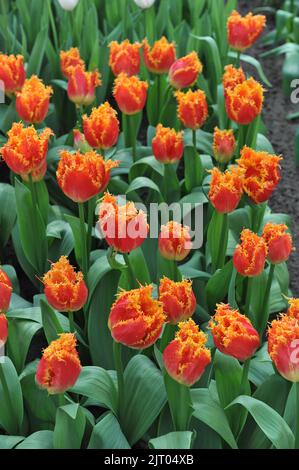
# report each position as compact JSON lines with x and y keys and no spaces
{"x":281,"y":134}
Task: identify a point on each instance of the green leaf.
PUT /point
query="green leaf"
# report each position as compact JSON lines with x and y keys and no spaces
{"x":218,"y":285}
{"x":144,"y":183}
{"x":51,"y":324}
{"x":173,"y":440}
{"x":38,"y":440}
{"x":218,"y":238}
{"x":20,"y":336}
{"x":107,"y":434}
{"x":193,"y":168}
{"x":37,"y":53}
{"x":9,"y":442}
{"x":11,"y":409}
{"x":69,"y":427}
{"x":255,"y":63}
{"x":8,"y":212}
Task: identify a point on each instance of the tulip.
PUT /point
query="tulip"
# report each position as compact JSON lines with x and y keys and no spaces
{"x":232,"y":77}
{"x":184,"y":71}
{"x":136,"y":319}
{"x":80,"y":142}
{"x":124,"y":227}
{"x":69,"y":60}
{"x":250,"y":256}
{"x":64,"y":288}
{"x":262,"y":173}
{"x":83,"y":176}
{"x":12,"y":73}
{"x":293,"y":310}
{"x":101,"y":128}
{"x":244,"y":102}
{"x":59,"y":368}
{"x":226,"y":189}
{"x":242,"y":32}
{"x":168,"y":145}
{"x":81,"y":86}
{"x":5,"y":291}
{"x":192,"y":108}
{"x":233,"y":333}
{"x":186,"y":357}
{"x":124,"y":57}
{"x":144,"y":3}
{"x":68,"y":5}
{"x":174,"y":241}
{"x":224,"y":145}
{"x":279,"y":243}
{"x":25,"y":151}
{"x":160,"y":57}
{"x":32,"y":102}
{"x":178,"y":299}
{"x":3,"y":330}
{"x":130,"y":93}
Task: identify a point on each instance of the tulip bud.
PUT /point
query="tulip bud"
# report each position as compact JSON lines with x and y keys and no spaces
{"x":192,"y":108}
{"x":124,"y":58}
{"x":12,"y":73}
{"x":59,"y":368}
{"x":226,"y":189}
{"x":81,"y":85}
{"x":244,"y":102}
{"x":69,"y":60}
{"x":178,"y":299}
{"x":186,"y":357}
{"x":3,"y":330}
{"x":184,"y":71}
{"x":232,"y":77}
{"x":65,"y":289}
{"x":144,"y":3}
{"x":242,"y":32}
{"x":136,"y":319}
{"x":101,"y":128}
{"x":233,"y":333}
{"x":5,"y":291}
{"x":279,"y":242}
{"x":68,"y":5}
{"x":168,"y":145}
{"x":130,"y":93}
{"x":250,"y":256}
{"x":174,"y":241}
{"x":32,"y":102}
{"x":224,"y":145}
{"x":160,"y":57}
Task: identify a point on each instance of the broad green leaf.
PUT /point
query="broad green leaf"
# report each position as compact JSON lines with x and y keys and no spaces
{"x":69,"y":427}
{"x":107,"y":434}
{"x":173,"y":440}
{"x":11,"y":409}
{"x":38,"y":440}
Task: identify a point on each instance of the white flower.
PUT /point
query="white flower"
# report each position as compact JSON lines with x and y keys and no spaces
{"x":68,"y":4}
{"x":144,"y":3}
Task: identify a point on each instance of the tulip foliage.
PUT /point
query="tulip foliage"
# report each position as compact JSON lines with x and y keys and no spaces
{"x":116,"y":334}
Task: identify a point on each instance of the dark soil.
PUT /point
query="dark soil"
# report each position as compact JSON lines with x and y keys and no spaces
{"x":281,"y":134}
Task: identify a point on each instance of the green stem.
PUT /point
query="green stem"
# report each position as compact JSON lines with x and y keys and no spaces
{"x":90,"y":219}
{"x":126,"y":131}
{"x":71,"y":322}
{"x":244,"y":379}
{"x":238,"y":59}
{"x":168,"y":335}
{"x":248,"y":297}
{"x":7,"y":394}
{"x":133,"y":281}
{"x":223,"y":242}
{"x":133,"y":136}
{"x":257,"y":215}
{"x":194,"y":139}
{"x":297,"y":417}
{"x":83,"y":240}
{"x":119,"y":371}
{"x":33,"y":191}
{"x":241,"y":139}
{"x":265,"y":316}
{"x":167,"y":98}
{"x":179,"y":400}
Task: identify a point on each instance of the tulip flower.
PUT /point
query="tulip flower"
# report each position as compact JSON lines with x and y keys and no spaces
{"x":130,"y":93}
{"x":124,"y":57}
{"x":226,"y":189}
{"x":262,"y":173}
{"x":184,"y":71}
{"x":124,"y":227}
{"x":3,"y":330}
{"x":25,"y":151}
{"x":68,"y":5}
{"x":232,"y":77}
{"x":224,"y":145}
{"x":250,"y":256}
{"x":144,"y":3}
{"x":278,"y":241}
{"x":178,"y":299}
{"x":242,"y":32}
{"x":59,"y":368}
{"x":283,"y":341}
{"x":186,"y":357}
{"x":192,"y":108}
{"x":69,"y":60}
{"x":32,"y":102}
{"x":64,"y":288}
{"x":160,"y":57}
{"x":101,"y":128}
{"x":168,"y":145}
{"x":5,"y":291}
{"x":293,"y":310}
{"x":80,"y":142}
{"x":136,"y":319}
{"x":83,"y":176}
{"x":174,"y":241}
{"x":81,"y":86}
{"x":244,"y":102}
{"x":233,"y":333}
{"x":12,"y":73}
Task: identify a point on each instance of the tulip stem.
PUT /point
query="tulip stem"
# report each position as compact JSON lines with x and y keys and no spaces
{"x":119,"y":371}
{"x":90,"y":217}
{"x":297,"y":417}
{"x":71,"y":322}
{"x":179,"y":400}
{"x":244,"y":379}
{"x":167,"y":336}
{"x":167,"y":98}
{"x":8,"y":395}
{"x":265,"y":316}
{"x":83,"y":240}
{"x":194,"y":139}
{"x":248,"y":285}
{"x":132,"y":278}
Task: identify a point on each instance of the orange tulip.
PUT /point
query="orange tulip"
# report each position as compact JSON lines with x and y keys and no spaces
{"x":226,"y":189}
{"x":184,"y":71}
{"x":81,"y":85}
{"x":25,"y":151}
{"x":242,"y":32}
{"x":83,"y":176}
{"x":124,"y":227}
{"x":174,"y":241}
{"x":192,"y":108}
{"x":65,"y":288}
{"x":3,"y":330}
{"x":232,"y":77}
{"x":5,"y":291}
{"x":186,"y":357}
{"x":224,"y":145}
{"x":250,"y":256}
{"x":12,"y":73}
{"x":178,"y":299}
{"x":59,"y":368}
{"x":69,"y":60}
{"x":130,"y":93}
{"x":101,"y":128}
{"x":283,"y":341}
{"x":293,"y":310}
{"x":278,"y":241}
{"x":160,"y":57}
{"x":32,"y":102}
{"x":262,"y":173}
{"x":245,"y":102}
{"x":168,"y":145}
{"x":233,"y":333}
{"x":136,"y":319}
{"x":124,"y":57}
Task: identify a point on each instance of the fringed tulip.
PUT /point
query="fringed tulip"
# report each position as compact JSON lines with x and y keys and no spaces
{"x":293,"y":310}
{"x":160,"y":57}
{"x":5,"y":291}
{"x":224,"y":145}
{"x":244,"y":102}
{"x":232,"y":77}
{"x":69,"y":60}
{"x":101,"y":128}
{"x":124,"y":58}
{"x":12,"y":73}
{"x":82,"y":85}
{"x":192,"y":108}
{"x":226,"y":189}
{"x":184,"y":71}
{"x":32,"y":102}
{"x":278,"y":241}
{"x":130,"y":93}
{"x":178,"y":299}
{"x":174,"y":241}
{"x":168,"y":145}
{"x":242,"y":32}
{"x":250,"y":256}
